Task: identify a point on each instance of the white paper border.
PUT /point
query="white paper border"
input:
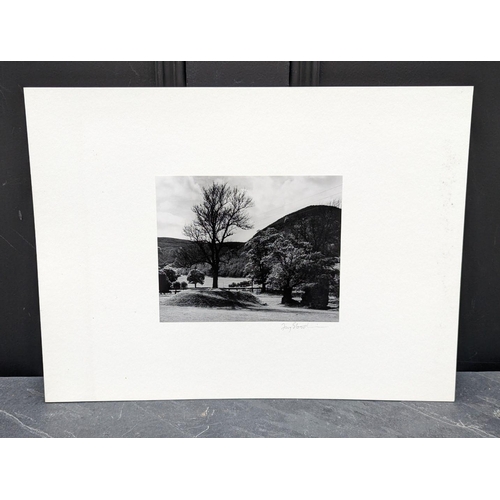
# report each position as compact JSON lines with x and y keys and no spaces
{"x":94,"y":157}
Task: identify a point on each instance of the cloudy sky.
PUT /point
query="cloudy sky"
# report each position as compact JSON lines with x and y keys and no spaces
{"x":273,"y":197}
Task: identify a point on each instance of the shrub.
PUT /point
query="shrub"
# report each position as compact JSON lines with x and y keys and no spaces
{"x":184,"y":285}
{"x":176,"y":285}
{"x":196,"y":276}
{"x":316,"y":294}
{"x":240,"y":284}
{"x":164,"y":282}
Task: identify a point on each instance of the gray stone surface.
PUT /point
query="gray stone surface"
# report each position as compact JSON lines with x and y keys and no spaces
{"x":476,"y":413}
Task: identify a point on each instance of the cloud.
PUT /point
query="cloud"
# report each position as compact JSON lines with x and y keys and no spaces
{"x":273,"y":196}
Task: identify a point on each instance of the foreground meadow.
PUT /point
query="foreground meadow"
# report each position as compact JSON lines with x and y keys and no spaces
{"x":269,"y":309}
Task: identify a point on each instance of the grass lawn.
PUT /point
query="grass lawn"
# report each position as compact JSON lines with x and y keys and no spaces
{"x":273,"y":311}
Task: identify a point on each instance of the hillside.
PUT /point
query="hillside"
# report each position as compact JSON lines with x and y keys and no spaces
{"x":287,"y":222}
{"x":319,"y":225}
{"x":168,"y":249}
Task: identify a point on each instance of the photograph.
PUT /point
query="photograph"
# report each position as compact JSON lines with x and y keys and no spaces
{"x":253,"y":248}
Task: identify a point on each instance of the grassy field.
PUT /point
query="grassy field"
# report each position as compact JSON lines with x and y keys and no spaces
{"x":272,"y":311}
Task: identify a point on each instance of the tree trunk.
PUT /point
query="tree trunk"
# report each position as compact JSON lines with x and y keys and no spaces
{"x":287,"y":295}
{"x":215,"y":278}
{"x":263,"y":287}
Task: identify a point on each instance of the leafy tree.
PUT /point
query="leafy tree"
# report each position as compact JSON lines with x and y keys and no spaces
{"x":258,"y":267}
{"x":170,"y":273}
{"x":294,"y":264}
{"x":196,"y":276}
{"x":222,"y":211}
{"x":318,"y":273}
{"x":184,"y":285}
{"x":176,"y":285}
{"x":286,"y":260}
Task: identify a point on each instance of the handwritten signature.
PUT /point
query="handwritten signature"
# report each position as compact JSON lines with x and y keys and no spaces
{"x":299,"y":326}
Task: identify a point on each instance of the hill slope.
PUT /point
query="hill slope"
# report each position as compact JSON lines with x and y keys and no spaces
{"x":317,"y":224}
{"x":168,"y":248}
{"x":288,"y":221}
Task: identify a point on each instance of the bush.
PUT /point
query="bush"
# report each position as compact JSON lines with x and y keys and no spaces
{"x":316,"y":294}
{"x":176,"y":285}
{"x":164,"y":282}
{"x":184,"y":285}
{"x":240,"y":284}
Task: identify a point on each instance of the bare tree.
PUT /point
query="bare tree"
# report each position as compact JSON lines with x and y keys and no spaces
{"x":222,"y":211}
{"x":335,"y":202}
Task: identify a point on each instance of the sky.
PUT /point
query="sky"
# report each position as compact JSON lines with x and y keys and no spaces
{"x":273,"y":198}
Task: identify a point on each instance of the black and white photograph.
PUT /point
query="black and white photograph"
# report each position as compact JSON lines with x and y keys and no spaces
{"x":249,"y":248}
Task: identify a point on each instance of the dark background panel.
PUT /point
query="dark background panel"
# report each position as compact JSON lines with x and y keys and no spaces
{"x":304,"y":73}
{"x":20,"y":345}
{"x":479,"y":336}
{"x":479,"y":332}
{"x":238,"y":74}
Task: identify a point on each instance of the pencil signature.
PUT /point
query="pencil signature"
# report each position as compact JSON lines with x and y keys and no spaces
{"x":299,"y":326}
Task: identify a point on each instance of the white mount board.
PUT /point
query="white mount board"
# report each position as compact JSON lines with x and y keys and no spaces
{"x":402,"y":153}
